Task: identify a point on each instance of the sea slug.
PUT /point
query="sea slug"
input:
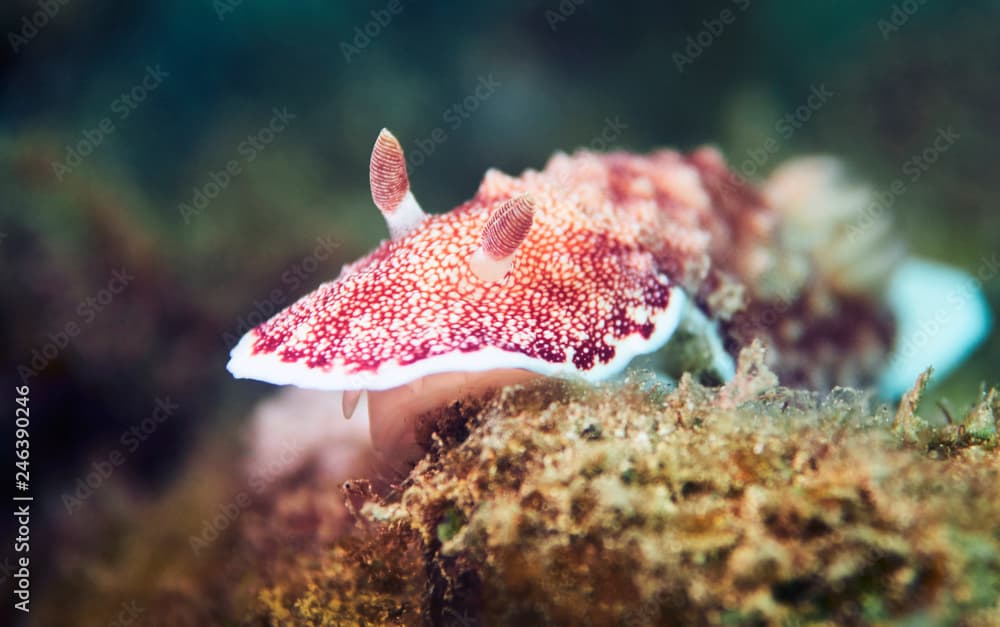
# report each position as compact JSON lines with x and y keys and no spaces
{"x":575,"y":270}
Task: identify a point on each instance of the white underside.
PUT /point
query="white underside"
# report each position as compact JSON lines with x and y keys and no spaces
{"x":271,"y":368}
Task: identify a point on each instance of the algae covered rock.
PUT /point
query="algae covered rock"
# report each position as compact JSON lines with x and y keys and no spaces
{"x":633,"y":503}
{"x":636,"y":505}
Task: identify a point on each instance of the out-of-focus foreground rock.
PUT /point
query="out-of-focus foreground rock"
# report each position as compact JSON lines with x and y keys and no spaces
{"x":628,"y":504}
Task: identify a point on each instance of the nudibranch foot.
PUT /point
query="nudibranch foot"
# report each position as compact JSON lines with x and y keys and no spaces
{"x":394,"y":415}
{"x":349,"y":402}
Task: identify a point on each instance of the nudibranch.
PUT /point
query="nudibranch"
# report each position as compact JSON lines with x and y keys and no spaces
{"x":571,"y":271}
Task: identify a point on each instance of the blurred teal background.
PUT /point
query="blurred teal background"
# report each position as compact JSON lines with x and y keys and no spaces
{"x":115,"y":116}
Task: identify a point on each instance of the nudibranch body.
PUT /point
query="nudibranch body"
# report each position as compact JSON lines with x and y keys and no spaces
{"x":573,"y":271}
{"x":594,"y":282}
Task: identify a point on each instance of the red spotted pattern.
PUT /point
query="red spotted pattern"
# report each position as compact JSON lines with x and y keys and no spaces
{"x":609,"y":234}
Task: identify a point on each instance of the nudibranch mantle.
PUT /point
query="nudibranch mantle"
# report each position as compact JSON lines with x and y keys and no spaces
{"x":596,"y":281}
{"x":576,"y":269}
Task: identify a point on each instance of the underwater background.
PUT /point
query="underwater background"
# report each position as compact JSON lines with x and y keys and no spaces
{"x":172,"y":173}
